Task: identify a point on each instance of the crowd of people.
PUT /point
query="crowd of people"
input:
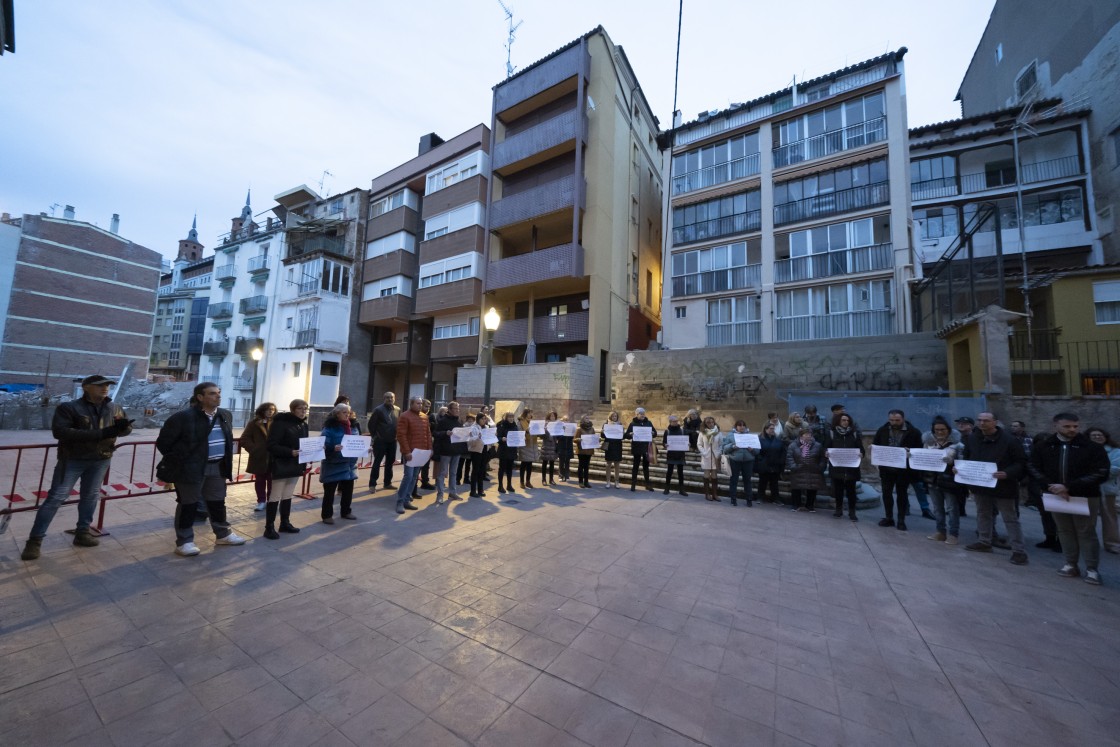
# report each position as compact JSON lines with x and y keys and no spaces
{"x":1071,"y":477}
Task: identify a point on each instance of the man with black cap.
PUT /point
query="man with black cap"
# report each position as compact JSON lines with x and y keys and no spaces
{"x":87,"y":429}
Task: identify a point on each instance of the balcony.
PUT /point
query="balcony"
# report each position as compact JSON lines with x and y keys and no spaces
{"x":740,"y":168}
{"x":243,"y":384}
{"x":835,"y":326}
{"x":254,"y":305}
{"x":393,"y":352}
{"x":245,"y":345}
{"x":225,"y":272}
{"x":1044,"y":347}
{"x":1058,"y":168}
{"x":335,"y":245}
{"x":547,"y":198}
{"x":734,"y":333}
{"x":542,"y":265}
{"x":718,"y":227}
{"x":545,"y":137}
{"x":258,"y":264}
{"x":934,"y":188}
{"x":833,"y":203}
{"x":222,"y":310}
{"x":453,"y":348}
{"x":747,"y":277}
{"x":827,"y":143}
{"x":309,"y":288}
{"x":306,"y":338}
{"x":215,"y":347}
{"x":546,"y":329}
{"x":831,"y":264}
{"x":392,"y":308}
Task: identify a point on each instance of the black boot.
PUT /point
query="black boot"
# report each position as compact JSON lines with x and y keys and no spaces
{"x":270,"y":521}
{"x":285,"y":518}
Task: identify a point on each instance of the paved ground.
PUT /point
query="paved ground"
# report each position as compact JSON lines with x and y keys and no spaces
{"x":598,"y":617}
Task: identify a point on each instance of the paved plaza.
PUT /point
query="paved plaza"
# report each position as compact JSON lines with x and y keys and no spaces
{"x":599,"y":617}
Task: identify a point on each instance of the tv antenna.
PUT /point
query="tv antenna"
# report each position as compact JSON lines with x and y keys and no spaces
{"x":322,"y":180}
{"x":512,"y":36}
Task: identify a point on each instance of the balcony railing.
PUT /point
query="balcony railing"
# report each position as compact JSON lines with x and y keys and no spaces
{"x":542,"y":265}
{"x":1041,"y":171}
{"x":243,"y":383}
{"x":716,"y":281}
{"x":835,"y":326}
{"x":332,"y":244}
{"x":226,"y":272}
{"x":546,"y":329}
{"x":548,"y":198}
{"x":739,"y":168}
{"x":258,"y":264}
{"x":830,"y":264}
{"x":718,"y":227}
{"x":542,"y":137}
{"x":309,"y":287}
{"x":931,"y":188}
{"x":215,"y":347}
{"x":827,"y":143}
{"x":1045,"y":345}
{"x":833,"y":203}
{"x":734,"y":333}
{"x":220,"y":310}
{"x":254,"y":304}
{"x":245,"y":345}
{"x":305,"y":338}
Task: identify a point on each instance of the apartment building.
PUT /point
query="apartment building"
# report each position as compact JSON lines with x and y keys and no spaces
{"x":75,"y":299}
{"x":573,"y":219}
{"x":790,"y":214}
{"x":181,"y":305}
{"x":423,"y":267}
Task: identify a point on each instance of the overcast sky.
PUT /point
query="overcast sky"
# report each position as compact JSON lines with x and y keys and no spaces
{"x":156,"y":109}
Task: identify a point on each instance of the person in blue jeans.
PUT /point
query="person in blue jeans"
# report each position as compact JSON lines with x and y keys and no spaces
{"x":942,"y":487}
{"x":87,"y":429}
{"x":742,"y":464}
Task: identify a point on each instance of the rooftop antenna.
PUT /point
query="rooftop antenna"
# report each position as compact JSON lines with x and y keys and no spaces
{"x":512,"y":36}
{"x":322,"y":180}
{"x":54,"y":205}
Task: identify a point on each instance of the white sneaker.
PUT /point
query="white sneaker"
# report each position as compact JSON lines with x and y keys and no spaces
{"x":260,"y":507}
{"x":187,"y":549}
{"x":233,"y":538}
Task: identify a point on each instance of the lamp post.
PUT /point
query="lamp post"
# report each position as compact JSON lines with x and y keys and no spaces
{"x":490,"y":321}
{"x":256,"y":354}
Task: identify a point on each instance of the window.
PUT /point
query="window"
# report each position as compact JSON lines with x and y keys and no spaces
{"x":288,"y":322}
{"x":928,"y":175}
{"x":680,"y":311}
{"x":401,"y":198}
{"x":849,"y":124}
{"x":721,"y":162}
{"x":722,"y":216}
{"x":1026,"y":81}
{"x":452,"y":173}
{"x":335,"y":277}
{"x":295,"y":370}
{"x":335,"y":206}
{"x":936,"y":223}
{"x":328,"y":368}
{"x":402,"y":240}
{"x":825,"y":193}
{"x":446,"y":329}
{"x":449,"y":270}
{"x":461,"y":217}
{"x":999,"y":53}
{"x":390,"y":286}
{"x":649,"y":288}
{"x":1106,"y":302}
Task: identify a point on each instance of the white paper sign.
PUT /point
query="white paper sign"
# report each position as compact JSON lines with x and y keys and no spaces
{"x":515,"y":438}
{"x":312,"y":449}
{"x":589,"y":441}
{"x":419,"y":458}
{"x":460,"y":435}
{"x":888,"y":456}
{"x":676,"y":443}
{"x":555,"y":428}
{"x":642,"y":433}
{"x":569,"y":429}
{"x":490,"y":435}
{"x":1058,"y":505}
{"x":613,"y":430}
{"x":747,"y":440}
{"x":844,"y":457}
{"x":536,"y":427}
{"x":355,"y":446}
{"x":971,"y":472}
{"x":929,"y":460}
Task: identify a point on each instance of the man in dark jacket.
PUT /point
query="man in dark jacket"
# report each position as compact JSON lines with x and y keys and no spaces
{"x":991,"y":443}
{"x":1069,"y":464}
{"x":383,"y":428}
{"x":640,"y":449}
{"x":198,"y":443}
{"x":447,"y":454}
{"x":87,"y":429}
{"x":898,"y":432}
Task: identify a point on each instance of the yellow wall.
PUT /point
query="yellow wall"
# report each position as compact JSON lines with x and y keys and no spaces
{"x":1072,"y":307}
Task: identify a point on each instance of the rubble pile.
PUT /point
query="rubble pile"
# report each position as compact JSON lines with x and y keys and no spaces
{"x":148,"y":403}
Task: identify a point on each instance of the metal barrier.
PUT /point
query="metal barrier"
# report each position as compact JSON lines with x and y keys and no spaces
{"x":132,"y":474}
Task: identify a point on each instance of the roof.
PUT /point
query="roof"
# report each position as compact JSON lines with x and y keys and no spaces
{"x":574,"y":42}
{"x":1011,"y":111}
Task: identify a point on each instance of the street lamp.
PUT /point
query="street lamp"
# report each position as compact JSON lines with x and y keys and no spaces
{"x":490,"y":321}
{"x":256,"y":354}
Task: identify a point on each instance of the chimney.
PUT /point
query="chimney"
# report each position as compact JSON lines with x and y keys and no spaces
{"x":115,"y":223}
{"x":68,"y":212}
{"x":677,"y":118}
{"x":429,"y":141}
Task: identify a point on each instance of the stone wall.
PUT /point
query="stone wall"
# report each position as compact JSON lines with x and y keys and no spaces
{"x":569,"y":387}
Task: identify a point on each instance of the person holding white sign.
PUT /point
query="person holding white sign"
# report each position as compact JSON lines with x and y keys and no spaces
{"x":674,"y":457}
{"x":480,"y":454}
{"x":805,"y":463}
{"x":991,"y":443}
{"x":639,"y":450}
{"x":507,"y":454}
{"x":413,"y":434}
{"x":741,"y":459}
{"x":844,"y":435}
{"x":283,"y":448}
{"x":528,"y":453}
{"x":564,"y":450}
{"x":548,"y":450}
{"x":612,"y":434}
{"x":899,"y":433}
{"x":448,"y":452}
{"x":942,"y":488}
{"x":709,"y":442}
{"x":337,"y":472}
{"x":586,"y":428}
{"x":1069,"y":464}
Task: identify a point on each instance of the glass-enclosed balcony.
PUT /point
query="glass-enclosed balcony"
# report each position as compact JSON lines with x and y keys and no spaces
{"x":734,"y":333}
{"x":835,"y":326}
{"x":827,"y":143}
{"x":831,"y":264}
{"x":747,"y":277}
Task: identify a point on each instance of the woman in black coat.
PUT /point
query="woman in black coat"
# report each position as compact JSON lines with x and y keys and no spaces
{"x":805,"y":462}
{"x":844,"y":435}
{"x":283,"y":449}
{"x":507,"y":455}
{"x":639,"y":450}
{"x":770,"y":462}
